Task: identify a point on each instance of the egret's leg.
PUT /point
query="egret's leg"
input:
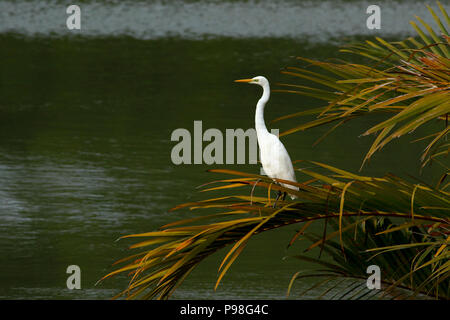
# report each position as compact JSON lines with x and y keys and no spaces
{"x":284,"y":196}
{"x":278,"y":197}
{"x":253,"y":189}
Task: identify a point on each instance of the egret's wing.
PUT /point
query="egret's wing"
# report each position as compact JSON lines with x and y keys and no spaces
{"x":277,"y":160}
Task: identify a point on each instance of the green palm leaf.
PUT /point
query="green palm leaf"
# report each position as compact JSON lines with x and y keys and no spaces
{"x":410,"y":79}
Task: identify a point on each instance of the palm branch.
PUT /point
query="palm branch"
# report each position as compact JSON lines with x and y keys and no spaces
{"x":167,"y":256}
{"x":409,"y":81}
{"x":413,"y":268}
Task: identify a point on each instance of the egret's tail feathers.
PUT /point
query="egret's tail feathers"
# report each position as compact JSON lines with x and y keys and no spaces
{"x":293,"y":197}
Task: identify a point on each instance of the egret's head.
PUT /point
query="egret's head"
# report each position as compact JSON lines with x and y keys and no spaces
{"x":259,"y":80}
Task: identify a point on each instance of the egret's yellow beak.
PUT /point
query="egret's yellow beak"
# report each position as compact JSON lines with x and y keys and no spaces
{"x":244,"y":80}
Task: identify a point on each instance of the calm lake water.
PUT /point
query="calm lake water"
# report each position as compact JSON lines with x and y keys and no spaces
{"x":86,"y":121}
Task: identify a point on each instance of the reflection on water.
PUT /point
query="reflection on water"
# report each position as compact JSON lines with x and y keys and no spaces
{"x":314,"y":20}
{"x":85,"y":127}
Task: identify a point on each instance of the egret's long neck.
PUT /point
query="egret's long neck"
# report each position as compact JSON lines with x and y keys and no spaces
{"x":259,"y":115}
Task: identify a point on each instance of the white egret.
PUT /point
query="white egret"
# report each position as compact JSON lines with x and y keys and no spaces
{"x":274,"y":157}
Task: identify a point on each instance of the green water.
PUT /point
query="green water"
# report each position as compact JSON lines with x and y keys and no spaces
{"x":85,"y":127}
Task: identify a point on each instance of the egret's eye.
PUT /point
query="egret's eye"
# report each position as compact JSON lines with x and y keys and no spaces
{"x":256,"y":80}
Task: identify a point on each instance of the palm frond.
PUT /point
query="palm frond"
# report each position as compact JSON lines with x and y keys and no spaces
{"x":413,"y":267}
{"x":407,"y":80}
{"x":171,"y":253}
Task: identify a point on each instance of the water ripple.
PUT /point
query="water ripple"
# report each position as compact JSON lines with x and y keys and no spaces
{"x":317,"y":22}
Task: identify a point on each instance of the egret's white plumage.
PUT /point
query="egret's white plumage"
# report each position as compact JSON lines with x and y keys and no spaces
{"x":274,"y":157}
